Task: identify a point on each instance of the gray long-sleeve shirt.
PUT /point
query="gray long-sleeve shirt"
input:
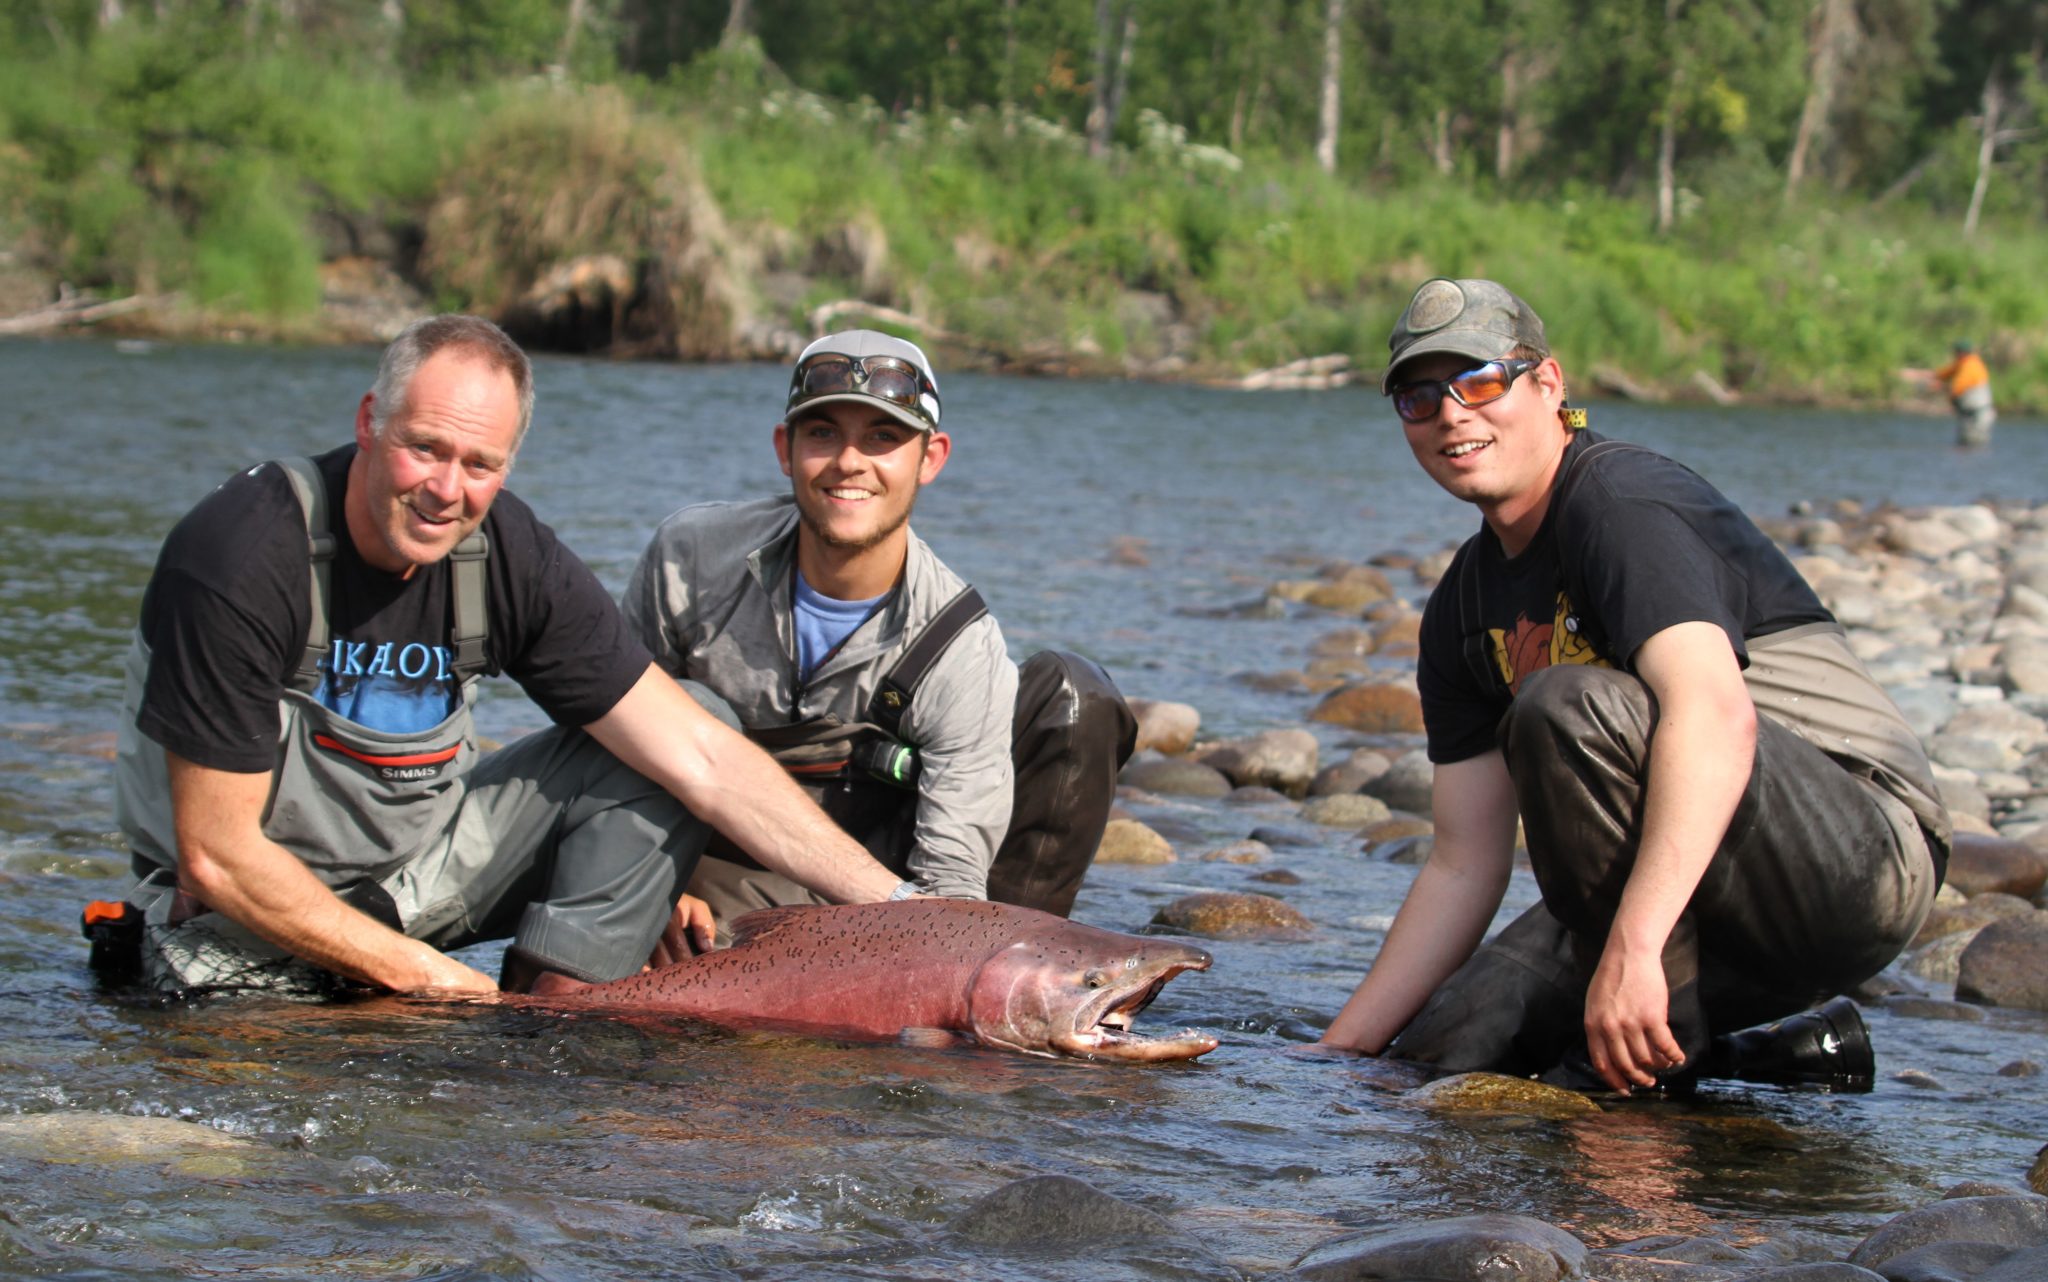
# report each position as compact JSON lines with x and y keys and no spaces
{"x":712,"y":598}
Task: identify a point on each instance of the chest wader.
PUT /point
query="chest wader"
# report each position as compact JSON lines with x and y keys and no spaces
{"x":1073,"y":732}
{"x":1070,"y":735}
{"x":862,"y":775}
{"x":356,"y":805}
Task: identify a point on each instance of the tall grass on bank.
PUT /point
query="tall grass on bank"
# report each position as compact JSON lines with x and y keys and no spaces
{"x":157,"y":160}
{"x":146,"y":162}
{"x":1269,"y":260}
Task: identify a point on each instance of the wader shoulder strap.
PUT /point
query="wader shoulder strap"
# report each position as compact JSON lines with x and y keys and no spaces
{"x":471,"y":627}
{"x":311,"y":490}
{"x":472,"y":606}
{"x":892,"y":697}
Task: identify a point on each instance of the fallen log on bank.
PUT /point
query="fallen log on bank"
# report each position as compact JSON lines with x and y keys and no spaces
{"x":76,"y":309}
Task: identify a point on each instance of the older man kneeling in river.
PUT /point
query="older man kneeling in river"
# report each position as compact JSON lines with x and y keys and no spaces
{"x":298,"y":774}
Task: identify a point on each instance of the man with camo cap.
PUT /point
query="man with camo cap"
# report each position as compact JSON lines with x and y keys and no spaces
{"x":1727,"y":818}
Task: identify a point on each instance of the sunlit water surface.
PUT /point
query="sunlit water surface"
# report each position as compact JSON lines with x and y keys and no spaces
{"x":1116,"y":519}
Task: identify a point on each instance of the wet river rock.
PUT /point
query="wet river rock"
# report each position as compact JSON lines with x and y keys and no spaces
{"x":1127,"y":841}
{"x":2007,"y":964}
{"x":1281,"y":759}
{"x":2014,"y":1223}
{"x":1345,"y":810}
{"x":1981,"y":864}
{"x":1351,"y":774}
{"x":1174,"y":777}
{"x":1164,"y":726}
{"x":1372,"y":707}
{"x":1957,"y":914}
{"x":1965,"y":1237}
{"x":119,"y":1140}
{"x":1466,"y":1248}
{"x":1051,"y":1210}
{"x":1494,"y":1093}
{"x":1225,"y":914}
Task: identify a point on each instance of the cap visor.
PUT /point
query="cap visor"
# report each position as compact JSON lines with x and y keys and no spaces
{"x":893,"y":410}
{"x":1480,"y":345}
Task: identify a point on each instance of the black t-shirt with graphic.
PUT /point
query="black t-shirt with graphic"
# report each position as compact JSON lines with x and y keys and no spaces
{"x":228,"y":608}
{"x":1639,"y":544}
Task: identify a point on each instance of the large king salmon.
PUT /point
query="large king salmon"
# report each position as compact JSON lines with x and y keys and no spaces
{"x":1008,"y":977}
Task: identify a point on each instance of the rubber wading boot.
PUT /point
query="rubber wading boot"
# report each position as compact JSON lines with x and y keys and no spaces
{"x":1828,"y":1047}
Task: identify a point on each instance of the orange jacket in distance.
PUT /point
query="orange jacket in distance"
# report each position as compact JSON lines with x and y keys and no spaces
{"x":1963,"y":373}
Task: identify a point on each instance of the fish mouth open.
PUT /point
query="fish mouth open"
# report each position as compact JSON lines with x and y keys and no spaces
{"x":1102,"y":1027}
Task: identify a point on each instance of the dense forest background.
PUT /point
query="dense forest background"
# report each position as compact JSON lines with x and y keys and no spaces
{"x":1772,"y":199}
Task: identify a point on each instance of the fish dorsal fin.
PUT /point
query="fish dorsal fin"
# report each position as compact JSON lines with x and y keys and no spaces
{"x":764,"y":921}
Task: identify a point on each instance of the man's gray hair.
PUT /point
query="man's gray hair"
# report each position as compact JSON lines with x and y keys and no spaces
{"x":473,"y":335}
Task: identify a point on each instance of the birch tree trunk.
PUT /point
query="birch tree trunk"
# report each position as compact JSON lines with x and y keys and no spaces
{"x":1333,"y":67}
{"x":577,"y":11}
{"x":1834,"y":32}
{"x":1009,"y":85}
{"x":739,"y":22}
{"x":1667,"y":131}
{"x":1097,"y":124}
{"x":1112,"y":72}
{"x":1504,"y":135}
{"x":1987,"y":147}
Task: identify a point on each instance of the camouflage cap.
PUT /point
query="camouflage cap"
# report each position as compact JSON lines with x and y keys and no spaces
{"x":1476,"y":318}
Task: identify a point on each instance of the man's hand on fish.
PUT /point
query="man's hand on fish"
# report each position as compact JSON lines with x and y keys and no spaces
{"x":691,"y":930}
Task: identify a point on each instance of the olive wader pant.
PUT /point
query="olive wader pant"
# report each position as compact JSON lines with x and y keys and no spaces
{"x":555,"y":844}
{"x":1070,"y":735}
{"x":1816,"y":886}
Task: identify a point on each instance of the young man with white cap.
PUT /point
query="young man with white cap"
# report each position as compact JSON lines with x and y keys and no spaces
{"x":844,"y":646}
{"x":1728,"y":820}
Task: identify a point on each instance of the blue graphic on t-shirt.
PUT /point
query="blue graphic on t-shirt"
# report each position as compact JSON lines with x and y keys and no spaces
{"x":389,"y":687}
{"x":823,"y":624}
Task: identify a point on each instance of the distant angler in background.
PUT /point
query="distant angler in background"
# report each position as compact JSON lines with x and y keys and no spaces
{"x":1968,"y":385}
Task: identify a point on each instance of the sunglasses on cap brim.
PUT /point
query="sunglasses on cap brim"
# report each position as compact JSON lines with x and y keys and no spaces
{"x":885,"y":378}
{"x":1419,"y":402}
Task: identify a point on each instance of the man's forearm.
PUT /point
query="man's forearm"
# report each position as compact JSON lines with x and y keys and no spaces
{"x":290,"y":908}
{"x":226,"y":862}
{"x":1439,"y":925}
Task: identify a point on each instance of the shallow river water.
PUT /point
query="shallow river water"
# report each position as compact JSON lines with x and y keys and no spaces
{"x":401,"y":1140}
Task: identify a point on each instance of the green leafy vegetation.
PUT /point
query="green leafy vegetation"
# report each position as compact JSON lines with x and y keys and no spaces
{"x":1073,"y":184}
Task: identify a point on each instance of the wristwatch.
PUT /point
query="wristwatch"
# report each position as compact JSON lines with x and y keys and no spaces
{"x":904,"y":890}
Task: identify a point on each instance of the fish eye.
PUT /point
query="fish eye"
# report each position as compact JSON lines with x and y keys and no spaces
{"x":1095,"y":979}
